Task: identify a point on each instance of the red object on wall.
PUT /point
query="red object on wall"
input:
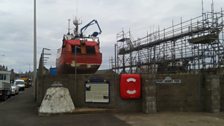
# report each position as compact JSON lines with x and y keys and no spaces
{"x":130,"y":86}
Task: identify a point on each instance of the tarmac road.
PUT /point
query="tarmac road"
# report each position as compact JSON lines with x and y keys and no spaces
{"x":21,"y":110}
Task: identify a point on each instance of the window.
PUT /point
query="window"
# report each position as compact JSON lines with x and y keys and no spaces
{"x":76,"y":49}
{"x":90,"y":50}
{"x":2,"y":77}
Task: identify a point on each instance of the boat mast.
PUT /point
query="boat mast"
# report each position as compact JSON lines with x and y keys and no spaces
{"x":76,"y":23}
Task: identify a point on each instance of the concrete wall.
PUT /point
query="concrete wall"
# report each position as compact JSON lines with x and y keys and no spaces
{"x":77,"y":91}
{"x":222,"y":91}
{"x":212,"y":95}
{"x":196,"y":92}
{"x":184,"y":96}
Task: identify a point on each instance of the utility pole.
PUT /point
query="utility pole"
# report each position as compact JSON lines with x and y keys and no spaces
{"x":35,"y":53}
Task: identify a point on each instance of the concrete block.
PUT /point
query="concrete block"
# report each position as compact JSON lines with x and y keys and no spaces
{"x":56,"y":100}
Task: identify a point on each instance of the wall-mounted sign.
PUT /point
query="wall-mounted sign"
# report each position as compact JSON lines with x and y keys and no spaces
{"x":168,"y":80}
{"x":97,"y":92}
{"x":130,"y":86}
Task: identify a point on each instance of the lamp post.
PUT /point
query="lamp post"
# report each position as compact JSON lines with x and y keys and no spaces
{"x":75,"y":62}
{"x":43,"y":54}
{"x":76,"y":47}
{"x":34,"y":53}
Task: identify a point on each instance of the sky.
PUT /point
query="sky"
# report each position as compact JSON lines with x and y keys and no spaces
{"x":138,"y":16}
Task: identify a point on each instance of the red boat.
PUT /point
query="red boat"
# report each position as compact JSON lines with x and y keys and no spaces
{"x":79,"y":54}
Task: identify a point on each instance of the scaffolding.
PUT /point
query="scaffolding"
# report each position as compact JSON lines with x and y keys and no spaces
{"x":192,"y":45}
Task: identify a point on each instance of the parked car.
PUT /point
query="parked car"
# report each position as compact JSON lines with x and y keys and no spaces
{"x":14,"y":89}
{"x":21,"y":84}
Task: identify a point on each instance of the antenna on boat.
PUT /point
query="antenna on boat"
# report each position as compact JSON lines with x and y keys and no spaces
{"x":212,"y":6}
{"x":77,"y":7}
{"x":69,"y":26}
{"x":76,"y":23}
{"x":202,"y":6}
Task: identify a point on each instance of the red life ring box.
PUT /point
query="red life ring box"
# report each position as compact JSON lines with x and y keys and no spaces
{"x":130,"y":86}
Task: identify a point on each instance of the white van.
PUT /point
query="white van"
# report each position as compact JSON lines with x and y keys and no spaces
{"x":5,"y":87}
{"x":20,"y":83}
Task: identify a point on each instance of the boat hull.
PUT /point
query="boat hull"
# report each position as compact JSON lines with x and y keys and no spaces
{"x":79,"y":56}
{"x":79,"y":64}
{"x":82,"y":69}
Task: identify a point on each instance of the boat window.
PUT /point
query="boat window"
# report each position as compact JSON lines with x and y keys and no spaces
{"x":76,"y":49}
{"x":90,"y":50}
{"x":2,"y":77}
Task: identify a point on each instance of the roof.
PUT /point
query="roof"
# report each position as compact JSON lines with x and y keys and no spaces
{"x":5,"y":72}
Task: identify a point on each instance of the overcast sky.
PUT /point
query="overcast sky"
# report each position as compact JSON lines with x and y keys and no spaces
{"x":140,"y":16}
